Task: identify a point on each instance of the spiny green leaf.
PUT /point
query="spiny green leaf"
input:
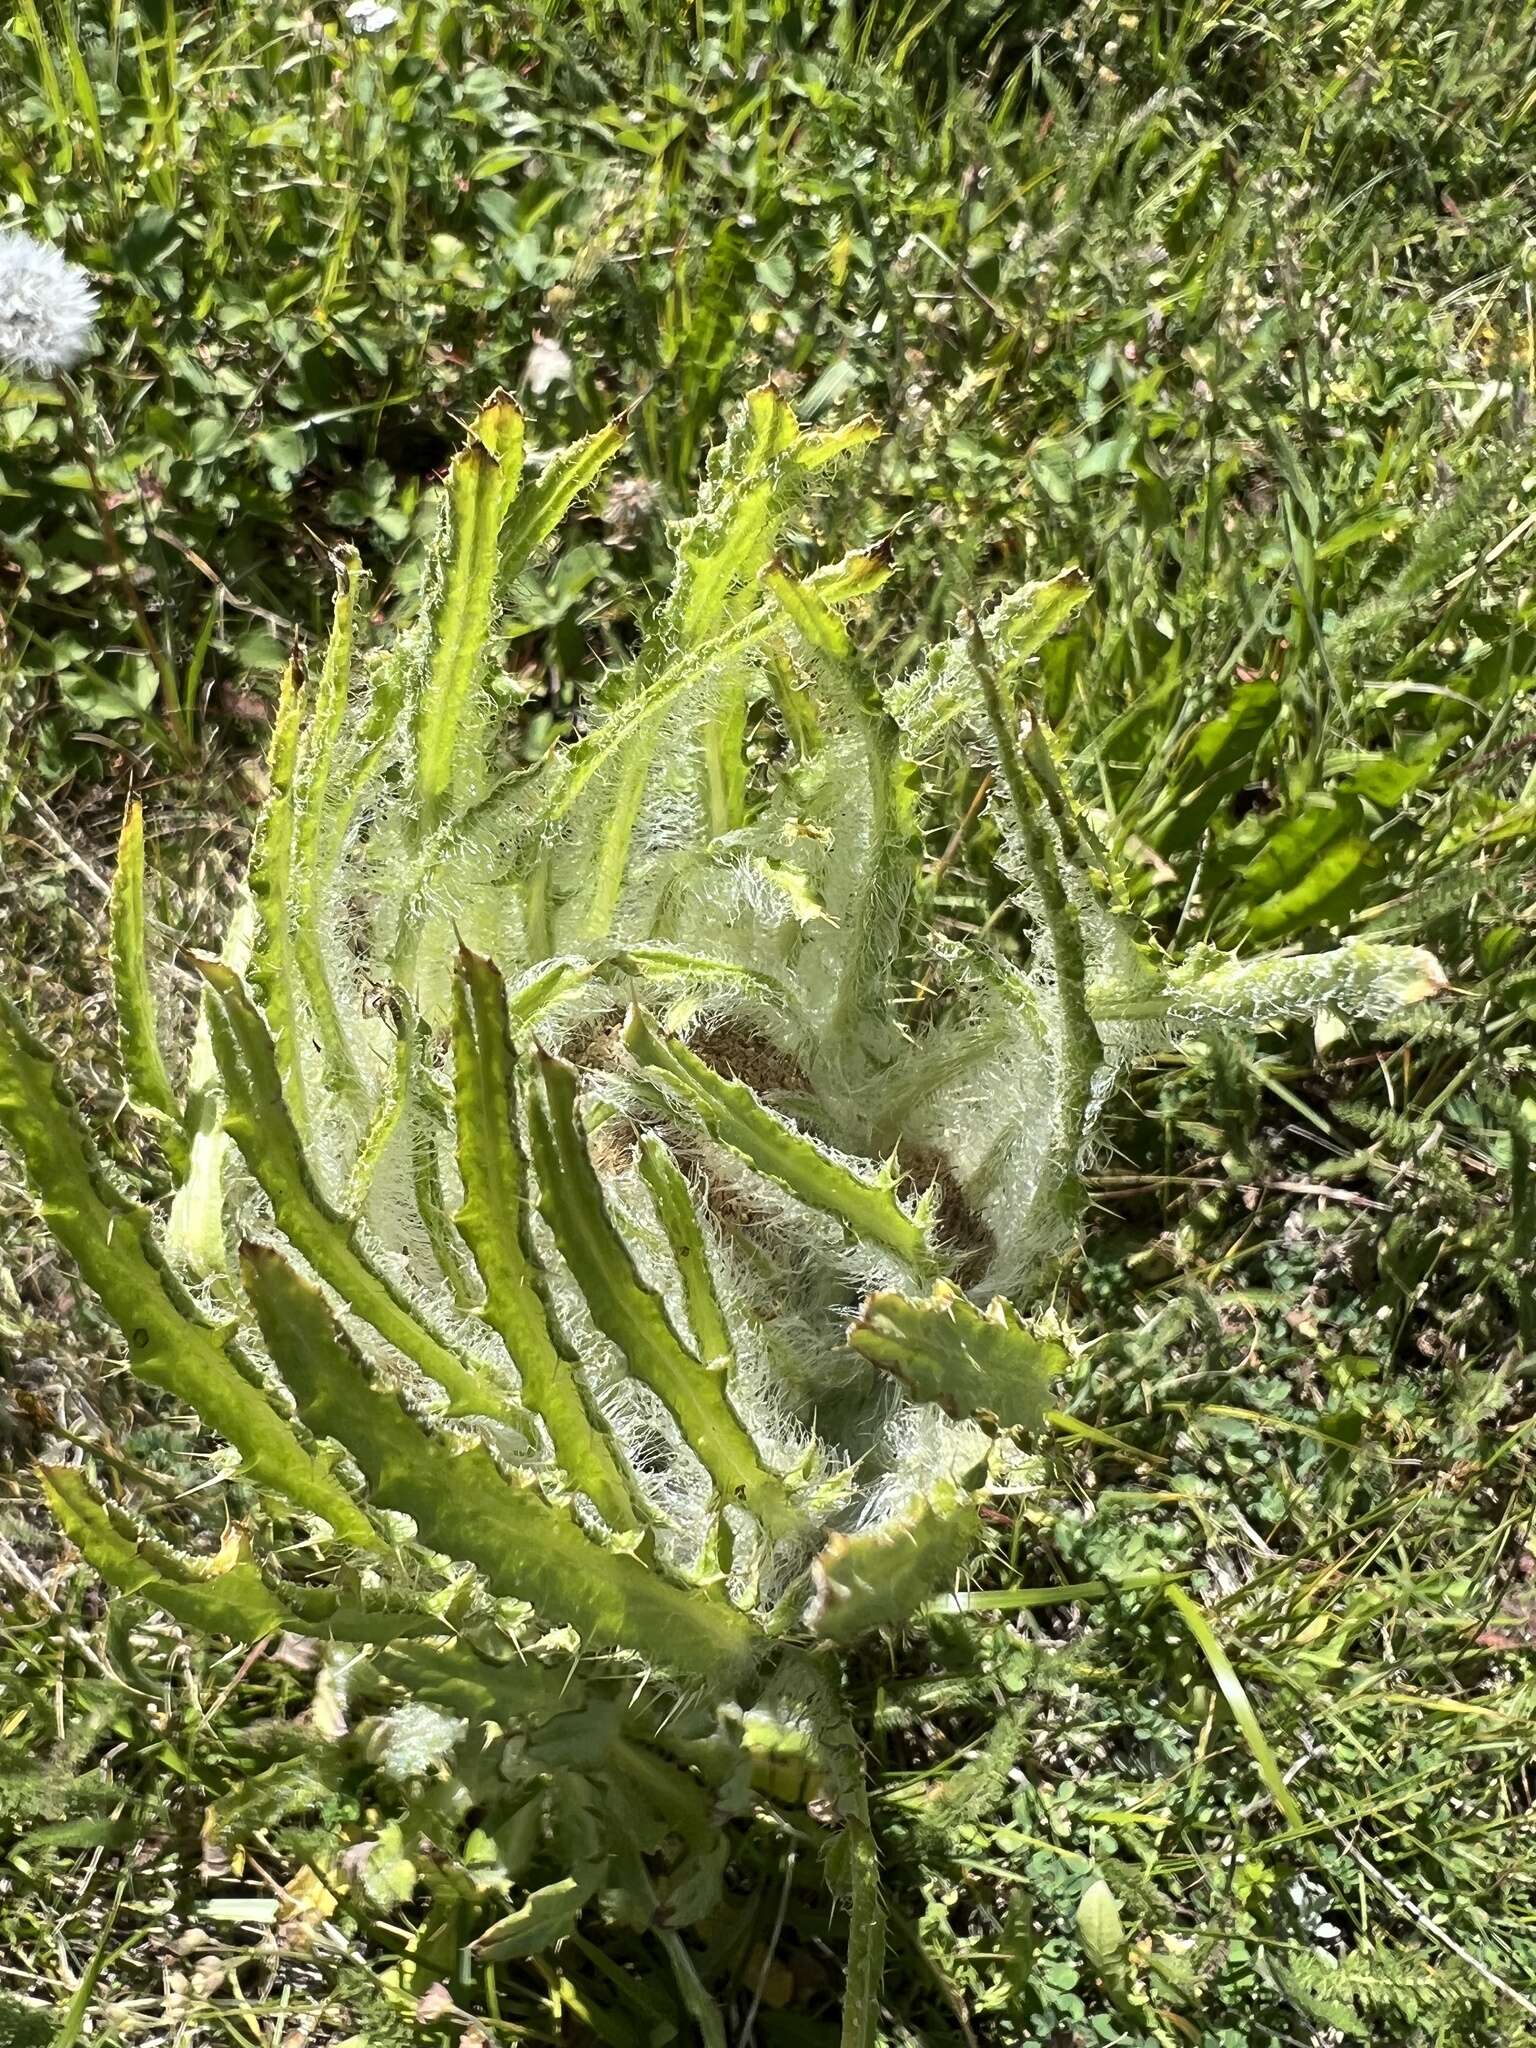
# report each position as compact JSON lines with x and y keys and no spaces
{"x":476,"y":1690}
{"x":879,"y":1576}
{"x":169,"y":1344}
{"x":482,"y":485}
{"x":229,"y":1599}
{"x":428,"y":1116}
{"x":852,"y":1858}
{"x":945,"y":1350}
{"x":826,"y":445}
{"x":610,"y":869}
{"x":571,"y":769}
{"x":1079,"y":1047}
{"x":725,"y":760}
{"x":851,"y":577}
{"x":632,"y":1316}
{"x":270,"y":881}
{"x":679,"y":1219}
{"x":256,"y":1117}
{"x":1358,"y":981}
{"x":753,"y":480}
{"x":867,"y":1208}
{"x":545,"y":503}
{"x":719,"y":550}
{"x":763,"y":428}
{"x":389,"y":1106}
{"x":876,"y":918}
{"x":494,"y":1220}
{"x":373,"y":1614}
{"x":324,"y":714}
{"x":1020,"y":624}
{"x":946,"y":689}
{"x":466,"y":1507}
{"x":491,"y":534}
{"x":195,"y":1231}
{"x":360,"y":760}
{"x":666,"y":963}
{"x":148,"y":1085}
{"x":226,"y":1594}
{"x":731,"y":536}
{"x":809,"y":612}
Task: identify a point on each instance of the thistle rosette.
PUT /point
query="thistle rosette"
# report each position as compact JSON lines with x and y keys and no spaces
{"x":610,"y":1196}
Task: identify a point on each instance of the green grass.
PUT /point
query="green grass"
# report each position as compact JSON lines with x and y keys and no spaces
{"x":1231,"y":305}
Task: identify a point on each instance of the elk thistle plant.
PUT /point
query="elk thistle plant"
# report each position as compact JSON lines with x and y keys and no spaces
{"x":612,"y":1208}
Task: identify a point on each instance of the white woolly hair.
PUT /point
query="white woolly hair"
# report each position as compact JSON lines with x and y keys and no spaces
{"x":800,"y":939}
{"x":47,"y":307}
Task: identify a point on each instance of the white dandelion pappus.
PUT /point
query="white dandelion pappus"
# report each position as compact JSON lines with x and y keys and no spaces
{"x":47,"y":307}
{"x":547,"y":364}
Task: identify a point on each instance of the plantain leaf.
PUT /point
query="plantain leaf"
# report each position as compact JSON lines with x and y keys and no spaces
{"x":545,"y":1917}
{"x":1289,"y":853}
{"x":1329,"y":887}
{"x":1220,"y":759}
{"x":946,"y":1350}
{"x":1101,"y":1931}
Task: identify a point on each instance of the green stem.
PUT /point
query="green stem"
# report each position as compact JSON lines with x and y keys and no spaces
{"x":1015,"y":1599}
{"x":1082,"y":1050}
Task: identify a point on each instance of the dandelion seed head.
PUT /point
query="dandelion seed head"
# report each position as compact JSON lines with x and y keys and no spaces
{"x":547,"y":364}
{"x":47,"y":306}
{"x":366,"y":18}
